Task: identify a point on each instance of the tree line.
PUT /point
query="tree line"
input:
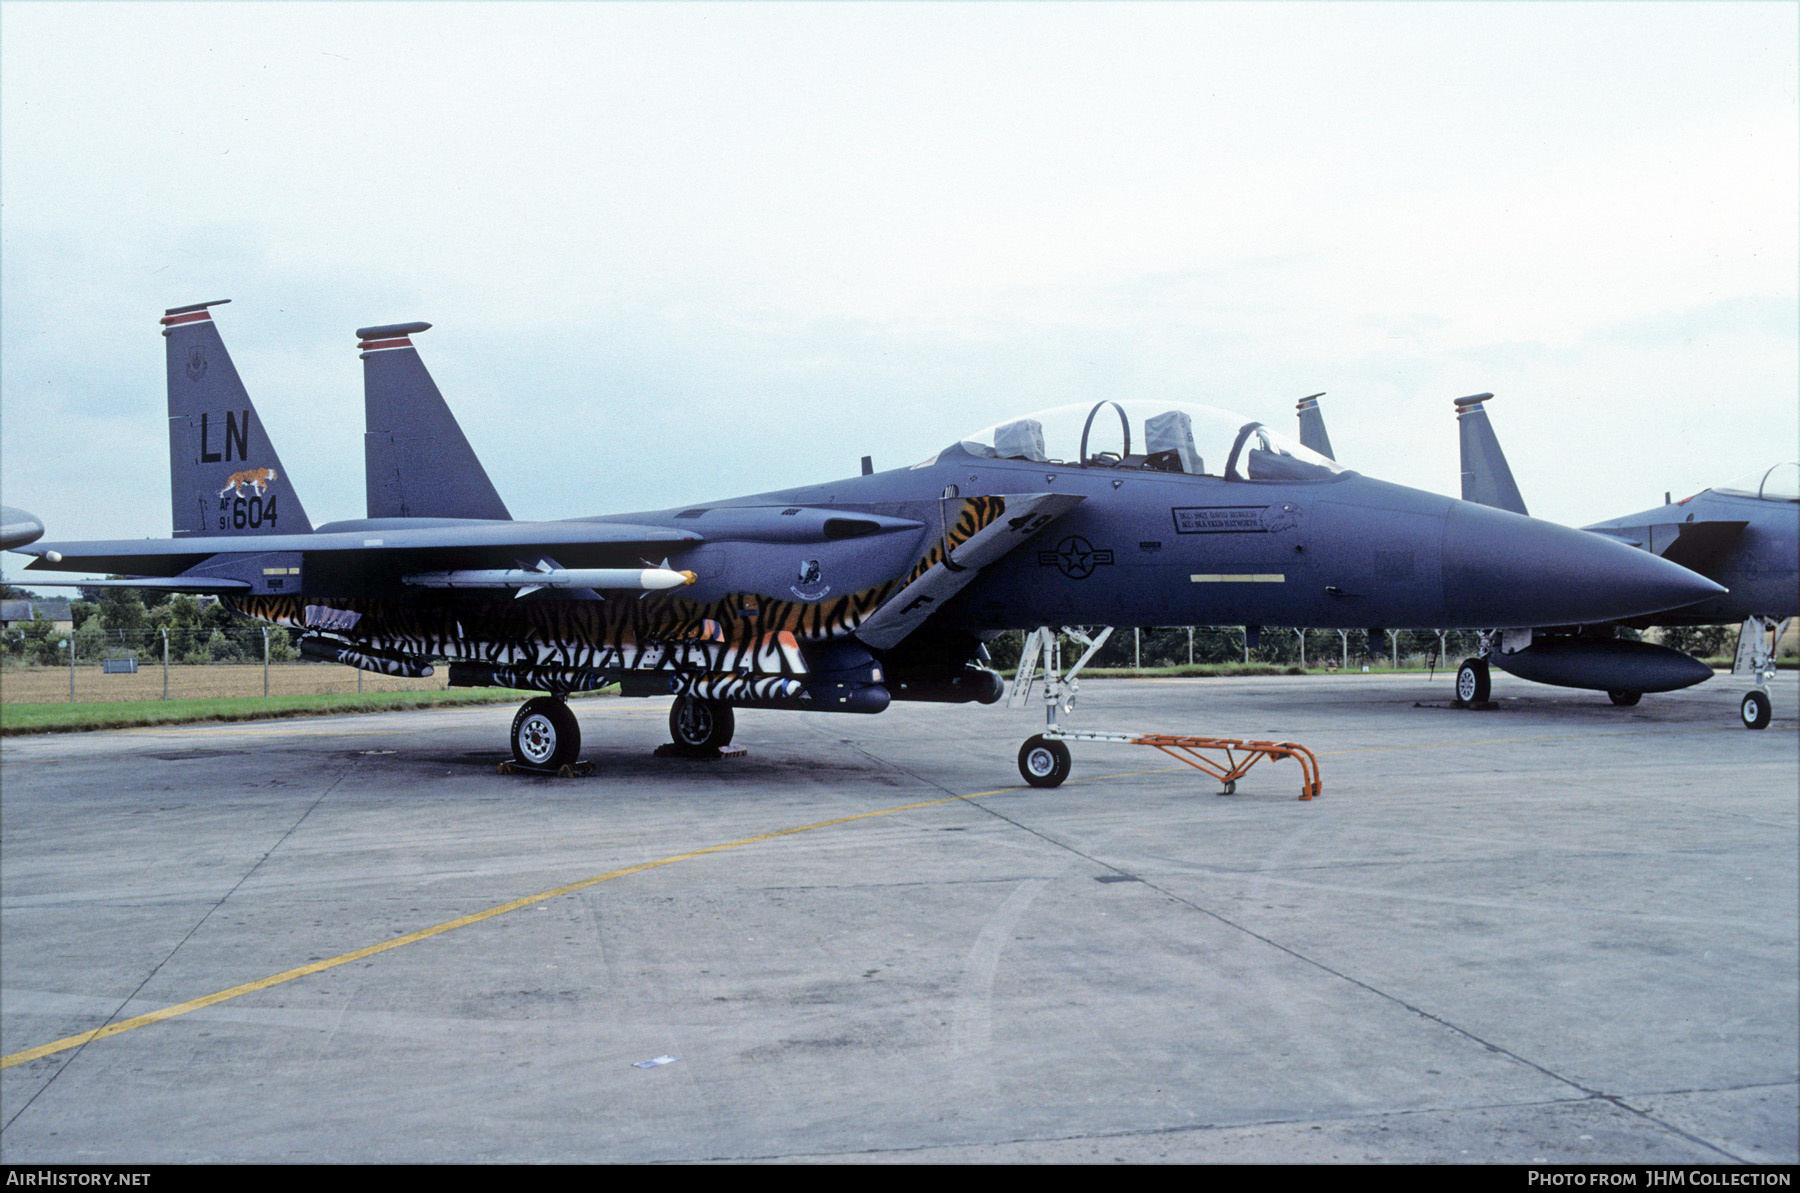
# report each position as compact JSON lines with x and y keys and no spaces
{"x":116,"y":623}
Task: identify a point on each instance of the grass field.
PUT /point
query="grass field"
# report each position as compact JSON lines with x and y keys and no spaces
{"x":132,"y":714}
{"x":36,"y":699}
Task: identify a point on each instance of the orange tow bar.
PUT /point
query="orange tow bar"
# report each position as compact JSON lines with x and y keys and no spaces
{"x":1203,"y":753}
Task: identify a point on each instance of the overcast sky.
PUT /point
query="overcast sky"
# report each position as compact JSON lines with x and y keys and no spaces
{"x":680,"y":252}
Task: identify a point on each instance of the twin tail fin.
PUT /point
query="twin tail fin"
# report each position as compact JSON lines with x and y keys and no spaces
{"x":417,"y":463}
{"x":225,"y":477}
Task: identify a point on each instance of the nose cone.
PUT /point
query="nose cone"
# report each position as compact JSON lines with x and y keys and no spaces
{"x":18,"y":528}
{"x":1502,"y":569}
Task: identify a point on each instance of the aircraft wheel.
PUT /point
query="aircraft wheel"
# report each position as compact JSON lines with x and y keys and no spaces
{"x":545,"y":734}
{"x":697,"y":724}
{"x":1472,"y":681}
{"x":1756,"y":709}
{"x":1624,"y":699}
{"x":1044,"y":763}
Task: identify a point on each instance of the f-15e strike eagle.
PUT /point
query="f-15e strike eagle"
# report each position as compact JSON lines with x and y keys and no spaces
{"x":837,"y":597}
{"x":1744,"y":534}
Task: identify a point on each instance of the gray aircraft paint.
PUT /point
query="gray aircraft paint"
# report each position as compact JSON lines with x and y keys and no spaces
{"x":417,"y":463}
{"x":225,"y":477}
{"x":783,"y":581}
{"x":1312,"y":426}
{"x":18,"y":528}
{"x":1748,"y":544}
{"x":1486,"y":478}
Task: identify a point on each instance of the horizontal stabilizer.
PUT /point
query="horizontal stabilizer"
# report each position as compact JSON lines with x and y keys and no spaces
{"x":1486,"y":478}
{"x":417,"y":463}
{"x":1024,"y":516}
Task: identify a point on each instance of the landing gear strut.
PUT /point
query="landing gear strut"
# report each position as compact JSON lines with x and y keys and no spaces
{"x":1757,"y":640}
{"x":1043,"y":760}
{"x":545,"y":734}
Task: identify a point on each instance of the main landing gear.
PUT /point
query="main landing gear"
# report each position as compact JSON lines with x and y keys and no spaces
{"x":1473,"y":683}
{"x":701,"y":727}
{"x":545,"y":735}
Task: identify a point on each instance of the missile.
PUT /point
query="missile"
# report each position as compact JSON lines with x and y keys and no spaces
{"x":528,"y":580}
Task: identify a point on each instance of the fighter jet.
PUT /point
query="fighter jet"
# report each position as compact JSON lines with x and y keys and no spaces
{"x":1744,"y":534}
{"x":835,"y":597}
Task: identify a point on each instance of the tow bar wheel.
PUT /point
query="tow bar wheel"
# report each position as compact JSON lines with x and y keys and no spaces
{"x":1044,"y":763}
{"x":545,"y":734}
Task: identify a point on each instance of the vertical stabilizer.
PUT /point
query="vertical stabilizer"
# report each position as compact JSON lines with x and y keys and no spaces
{"x":416,"y":461}
{"x":224,"y":475}
{"x":1312,"y":426}
{"x":1486,"y":480}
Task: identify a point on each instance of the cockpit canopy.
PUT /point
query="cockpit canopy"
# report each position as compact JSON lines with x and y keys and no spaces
{"x":1151,"y":436}
{"x":1780,"y":483}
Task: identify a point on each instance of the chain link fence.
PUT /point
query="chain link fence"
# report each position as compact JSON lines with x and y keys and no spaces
{"x":42,"y":665}
{"x":1316,"y":650}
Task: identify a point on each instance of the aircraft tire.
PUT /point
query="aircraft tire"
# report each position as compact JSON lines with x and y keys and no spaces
{"x":1044,"y":763}
{"x":1756,"y":709}
{"x":1624,"y":699}
{"x":545,"y":734}
{"x":701,"y":725}
{"x":1473,"y":682}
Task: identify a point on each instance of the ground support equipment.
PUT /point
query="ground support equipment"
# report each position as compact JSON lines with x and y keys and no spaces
{"x":1044,"y":759}
{"x":568,"y":770}
{"x":1226,"y":759}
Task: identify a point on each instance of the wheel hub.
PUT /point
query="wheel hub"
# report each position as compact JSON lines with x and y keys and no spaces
{"x":537,"y":739}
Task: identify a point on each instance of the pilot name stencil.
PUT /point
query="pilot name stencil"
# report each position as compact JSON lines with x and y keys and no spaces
{"x":1235,"y":519}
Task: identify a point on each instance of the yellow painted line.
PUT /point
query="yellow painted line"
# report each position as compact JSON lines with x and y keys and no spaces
{"x":124,"y":1025}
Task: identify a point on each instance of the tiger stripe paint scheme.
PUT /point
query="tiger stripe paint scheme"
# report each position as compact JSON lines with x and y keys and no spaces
{"x":741,"y":636}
